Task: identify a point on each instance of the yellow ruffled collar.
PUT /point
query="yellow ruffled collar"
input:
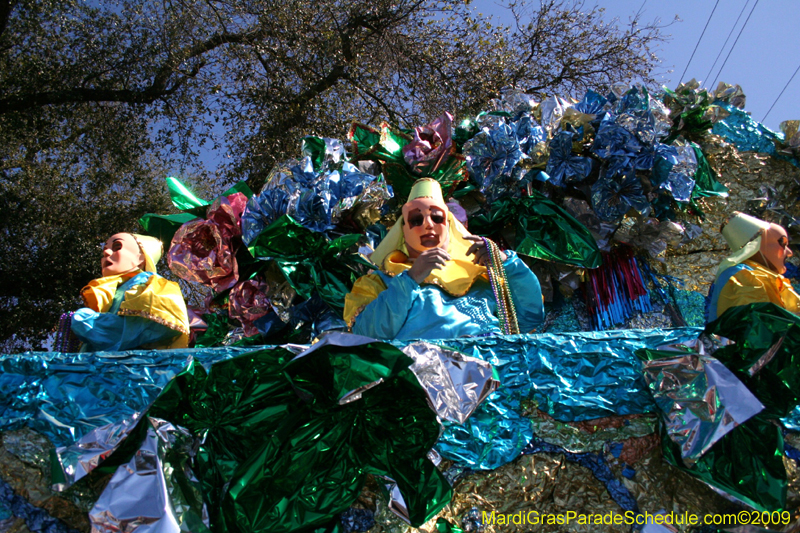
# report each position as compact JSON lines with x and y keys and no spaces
{"x":456,"y":278}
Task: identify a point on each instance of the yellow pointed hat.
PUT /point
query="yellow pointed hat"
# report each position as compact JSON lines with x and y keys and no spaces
{"x":151,"y":248}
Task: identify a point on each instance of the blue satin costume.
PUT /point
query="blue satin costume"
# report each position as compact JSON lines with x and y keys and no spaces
{"x":109,"y":331}
{"x":406,"y":310}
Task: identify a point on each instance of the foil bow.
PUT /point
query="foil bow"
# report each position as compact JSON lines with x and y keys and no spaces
{"x":204,"y":251}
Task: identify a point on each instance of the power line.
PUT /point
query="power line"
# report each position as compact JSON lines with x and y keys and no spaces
{"x":726,"y":40}
{"x":698,"y":41}
{"x":734,"y":43}
{"x":779,"y":96}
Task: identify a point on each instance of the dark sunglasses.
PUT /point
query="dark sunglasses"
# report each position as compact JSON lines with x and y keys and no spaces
{"x":417,"y":219}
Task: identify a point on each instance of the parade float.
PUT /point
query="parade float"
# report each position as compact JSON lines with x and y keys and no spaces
{"x":623,"y":403}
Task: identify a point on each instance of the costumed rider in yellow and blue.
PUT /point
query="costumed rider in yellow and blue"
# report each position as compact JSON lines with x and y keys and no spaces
{"x":434,"y":283}
{"x":131,"y":306}
{"x":754,"y":272}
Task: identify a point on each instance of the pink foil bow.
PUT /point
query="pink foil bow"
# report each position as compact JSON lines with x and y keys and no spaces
{"x":247,"y":303}
{"x":204,"y":251}
{"x":431,"y":146}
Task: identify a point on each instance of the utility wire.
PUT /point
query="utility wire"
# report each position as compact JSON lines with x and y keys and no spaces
{"x":698,"y":42}
{"x":734,"y":43}
{"x":728,"y":38}
{"x":779,"y":96}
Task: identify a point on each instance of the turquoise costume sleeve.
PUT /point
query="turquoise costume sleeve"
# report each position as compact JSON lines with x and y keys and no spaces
{"x":406,"y":310}
{"x":112,"y":332}
{"x":385,"y":316}
{"x":526,"y":292}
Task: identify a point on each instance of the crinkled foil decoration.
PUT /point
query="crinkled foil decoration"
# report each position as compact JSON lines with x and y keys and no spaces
{"x":431,"y":147}
{"x":552,"y":110}
{"x":730,"y":94}
{"x":564,"y":167}
{"x":675,"y":174}
{"x":598,"y":466}
{"x":748,"y":135}
{"x":538,"y":484}
{"x":312,"y":198}
{"x":530,"y":136}
{"x":513,"y":101}
{"x":65,"y":396}
{"x":643,"y":116}
{"x":701,"y":400}
{"x":617,"y":145}
{"x":582,"y":211}
{"x":148,"y":494}
{"x":592,"y":104}
{"x":650,"y":234}
{"x":25,"y":491}
{"x":88,"y":452}
{"x":614,"y":196}
{"x":204,"y":251}
{"x":249,"y":301}
{"x":323,"y":151}
{"x":791,"y":133}
{"x":492,"y":158}
{"x":591,"y":435}
{"x":455,"y":384}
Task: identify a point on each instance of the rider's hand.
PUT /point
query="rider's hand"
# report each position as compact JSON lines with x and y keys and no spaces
{"x":426,"y":262}
{"x":478,"y":249}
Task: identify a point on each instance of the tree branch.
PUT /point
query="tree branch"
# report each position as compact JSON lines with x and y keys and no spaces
{"x":159,"y":88}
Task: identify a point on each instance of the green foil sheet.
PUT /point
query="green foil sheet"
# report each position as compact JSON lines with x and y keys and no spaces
{"x":286,"y":445}
{"x":766,"y":356}
{"x":543,"y":230}
{"x":386,"y":147}
{"x":310,"y":261}
{"x":163,"y":227}
{"x":705,"y":178}
{"x":747,"y":464}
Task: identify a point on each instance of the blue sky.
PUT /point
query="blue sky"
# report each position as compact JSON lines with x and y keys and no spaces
{"x":764,"y":59}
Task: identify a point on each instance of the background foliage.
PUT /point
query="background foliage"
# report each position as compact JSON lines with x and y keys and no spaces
{"x":98,"y":103}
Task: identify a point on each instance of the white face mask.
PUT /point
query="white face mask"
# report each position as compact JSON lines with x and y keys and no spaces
{"x":775,"y":248}
{"x":424,"y":226}
{"x":121,"y":255}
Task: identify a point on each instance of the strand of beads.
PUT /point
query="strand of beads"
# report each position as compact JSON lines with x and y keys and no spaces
{"x":497,"y":278}
{"x":66,"y":342}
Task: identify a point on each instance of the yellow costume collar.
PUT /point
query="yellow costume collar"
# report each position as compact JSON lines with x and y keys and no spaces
{"x":458,"y":275}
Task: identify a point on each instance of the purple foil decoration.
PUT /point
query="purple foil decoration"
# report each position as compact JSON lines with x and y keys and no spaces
{"x":248,"y":302}
{"x":204,"y":251}
{"x":431,"y":146}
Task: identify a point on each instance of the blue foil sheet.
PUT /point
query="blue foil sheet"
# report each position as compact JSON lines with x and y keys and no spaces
{"x":616,"y":144}
{"x":65,"y":396}
{"x":740,"y":129}
{"x":563,"y":166}
{"x":613,"y":196}
{"x":529,"y":133}
{"x":673,"y":172}
{"x":492,"y":155}
{"x":592,"y":104}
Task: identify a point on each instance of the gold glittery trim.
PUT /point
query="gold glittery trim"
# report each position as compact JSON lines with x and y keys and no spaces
{"x":159,"y":320}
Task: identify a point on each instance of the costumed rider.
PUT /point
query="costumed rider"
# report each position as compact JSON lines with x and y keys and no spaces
{"x":131,"y":306}
{"x":753,"y":273}
{"x":433,"y":284}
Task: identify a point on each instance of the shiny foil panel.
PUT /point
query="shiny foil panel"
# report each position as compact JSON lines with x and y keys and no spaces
{"x":455,"y":384}
{"x":702,"y":401}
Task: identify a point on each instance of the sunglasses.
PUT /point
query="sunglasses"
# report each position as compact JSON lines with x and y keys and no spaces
{"x":783,"y":242}
{"x":417,"y":219}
